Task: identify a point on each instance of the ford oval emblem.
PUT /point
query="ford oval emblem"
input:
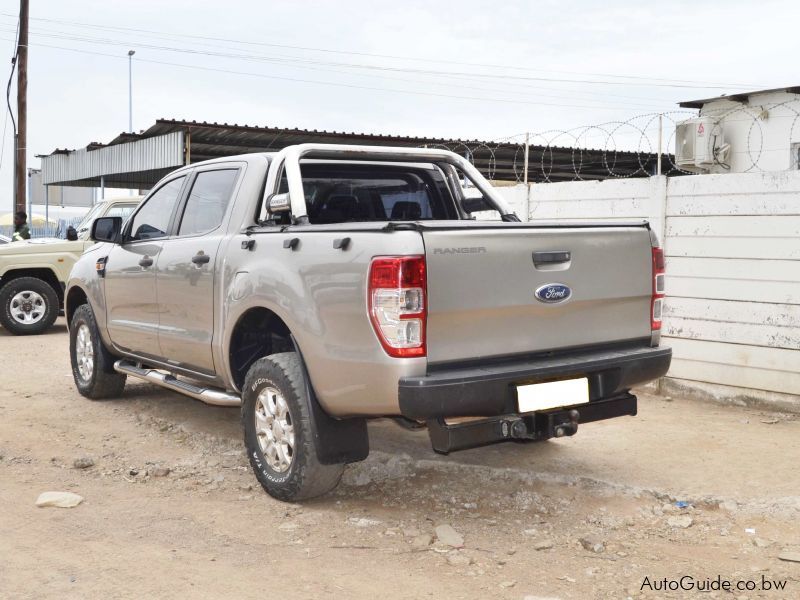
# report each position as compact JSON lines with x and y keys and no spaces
{"x":553,"y":292}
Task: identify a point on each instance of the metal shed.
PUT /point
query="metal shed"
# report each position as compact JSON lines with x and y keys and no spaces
{"x":140,"y":160}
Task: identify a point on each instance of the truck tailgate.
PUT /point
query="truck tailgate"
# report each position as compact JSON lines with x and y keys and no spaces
{"x":482,"y":283}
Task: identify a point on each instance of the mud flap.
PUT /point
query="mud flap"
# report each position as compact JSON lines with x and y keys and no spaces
{"x":337,"y":440}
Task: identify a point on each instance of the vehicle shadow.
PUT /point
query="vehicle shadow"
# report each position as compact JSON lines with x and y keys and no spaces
{"x":387,"y":439}
{"x":59,"y":328}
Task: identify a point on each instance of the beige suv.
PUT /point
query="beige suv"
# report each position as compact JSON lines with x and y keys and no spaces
{"x":33,"y":272}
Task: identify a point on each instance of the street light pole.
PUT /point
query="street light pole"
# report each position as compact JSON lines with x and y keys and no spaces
{"x":130,"y":99}
{"x":130,"y":90}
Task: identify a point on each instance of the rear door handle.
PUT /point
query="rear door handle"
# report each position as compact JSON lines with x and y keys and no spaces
{"x":145,"y":262}
{"x":200,"y":258}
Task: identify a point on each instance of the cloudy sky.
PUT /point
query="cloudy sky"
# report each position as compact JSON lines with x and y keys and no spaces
{"x":465,"y":69}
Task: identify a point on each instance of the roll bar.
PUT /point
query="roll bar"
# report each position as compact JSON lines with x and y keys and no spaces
{"x":288,"y":160}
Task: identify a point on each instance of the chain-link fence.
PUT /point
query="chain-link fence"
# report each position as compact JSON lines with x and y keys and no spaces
{"x":53,"y":230}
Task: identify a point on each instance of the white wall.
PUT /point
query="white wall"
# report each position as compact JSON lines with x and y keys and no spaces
{"x":58,"y":195}
{"x":732,"y":245}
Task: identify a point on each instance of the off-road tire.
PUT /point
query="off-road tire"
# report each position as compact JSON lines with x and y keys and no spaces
{"x":104,"y":382}
{"x":28,"y":284}
{"x":305,"y":477}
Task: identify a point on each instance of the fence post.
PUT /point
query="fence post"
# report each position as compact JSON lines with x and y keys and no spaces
{"x":661,"y":199}
{"x":660,"y":129}
{"x":525,"y":179}
{"x":525,"y":174}
{"x":30,"y":200}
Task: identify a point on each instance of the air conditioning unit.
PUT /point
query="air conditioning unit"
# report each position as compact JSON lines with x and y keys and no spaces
{"x":699,"y":144}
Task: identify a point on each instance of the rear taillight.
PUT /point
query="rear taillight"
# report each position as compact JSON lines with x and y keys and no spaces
{"x":397,"y":304}
{"x":657,"y":301}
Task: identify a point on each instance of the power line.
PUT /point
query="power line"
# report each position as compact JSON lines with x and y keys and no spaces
{"x":438,"y":73}
{"x":10,"y":112}
{"x":287,"y":60}
{"x":168,"y":35}
{"x":137,"y":41}
{"x":442,"y":80}
{"x":332,"y":83}
{"x":617,"y":104}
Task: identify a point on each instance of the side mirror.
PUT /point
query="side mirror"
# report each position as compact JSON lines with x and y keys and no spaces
{"x":278,"y":203}
{"x":476,"y":204}
{"x":72,"y":234}
{"x":107,"y":229}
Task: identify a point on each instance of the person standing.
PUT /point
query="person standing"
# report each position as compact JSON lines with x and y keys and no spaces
{"x":21,"y":231}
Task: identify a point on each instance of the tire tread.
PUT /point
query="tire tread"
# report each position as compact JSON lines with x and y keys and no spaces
{"x":34,"y":284}
{"x":311,"y":478}
{"x":107,"y":382}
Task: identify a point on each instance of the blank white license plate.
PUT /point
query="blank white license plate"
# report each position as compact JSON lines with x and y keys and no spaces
{"x":553,"y":394}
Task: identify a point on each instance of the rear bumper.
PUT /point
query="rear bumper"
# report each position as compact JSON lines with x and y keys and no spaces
{"x":490,"y":390}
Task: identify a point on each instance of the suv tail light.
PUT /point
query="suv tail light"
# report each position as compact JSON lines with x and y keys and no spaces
{"x":397,"y":304}
{"x":657,"y":301}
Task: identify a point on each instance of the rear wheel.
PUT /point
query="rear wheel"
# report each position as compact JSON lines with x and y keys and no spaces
{"x":28,"y":305}
{"x":92,"y":363}
{"x":278,"y":434}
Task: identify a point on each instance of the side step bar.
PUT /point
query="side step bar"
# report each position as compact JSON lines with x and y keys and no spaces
{"x":204,"y":394}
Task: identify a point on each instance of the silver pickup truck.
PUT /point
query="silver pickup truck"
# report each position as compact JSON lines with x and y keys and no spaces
{"x":324,"y":285}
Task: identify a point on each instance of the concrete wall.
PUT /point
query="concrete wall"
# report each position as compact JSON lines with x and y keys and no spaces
{"x":732,"y":245}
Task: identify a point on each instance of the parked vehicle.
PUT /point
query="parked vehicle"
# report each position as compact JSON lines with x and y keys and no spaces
{"x":324,"y":285}
{"x":33,"y":273}
{"x":4,"y":239}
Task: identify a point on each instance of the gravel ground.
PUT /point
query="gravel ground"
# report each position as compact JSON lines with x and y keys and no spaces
{"x":171,"y":509}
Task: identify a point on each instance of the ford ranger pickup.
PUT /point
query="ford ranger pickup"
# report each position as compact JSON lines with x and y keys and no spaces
{"x":324,"y":285}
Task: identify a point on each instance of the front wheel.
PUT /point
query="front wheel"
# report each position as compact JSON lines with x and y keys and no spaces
{"x":28,"y":305}
{"x":278,"y":434}
{"x":92,"y":363}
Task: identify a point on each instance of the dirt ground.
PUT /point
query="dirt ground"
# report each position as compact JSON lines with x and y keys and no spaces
{"x":172,"y":510}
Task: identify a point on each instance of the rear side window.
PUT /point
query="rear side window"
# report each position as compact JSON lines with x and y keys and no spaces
{"x":121,"y":210}
{"x":152,"y":220}
{"x":347,"y":193}
{"x":207,"y":202}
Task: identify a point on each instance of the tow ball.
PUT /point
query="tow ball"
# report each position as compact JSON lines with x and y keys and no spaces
{"x":568,"y":427}
{"x":541,"y":425}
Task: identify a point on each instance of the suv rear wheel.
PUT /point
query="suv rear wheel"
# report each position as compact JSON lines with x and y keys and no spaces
{"x":92,"y":363}
{"x":28,"y":305}
{"x":278,"y":434}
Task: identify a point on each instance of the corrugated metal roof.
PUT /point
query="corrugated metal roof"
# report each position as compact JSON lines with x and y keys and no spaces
{"x":496,"y":160}
{"x":737,"y":97}
{"x":87,"y":165}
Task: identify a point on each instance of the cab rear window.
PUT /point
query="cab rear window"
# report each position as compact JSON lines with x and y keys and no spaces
{"x":348,"y":193}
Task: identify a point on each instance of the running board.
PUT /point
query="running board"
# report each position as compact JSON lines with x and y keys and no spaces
{"x":204,"y":394}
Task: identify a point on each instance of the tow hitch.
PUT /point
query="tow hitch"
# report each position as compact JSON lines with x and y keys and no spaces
{"x":560,"y":422}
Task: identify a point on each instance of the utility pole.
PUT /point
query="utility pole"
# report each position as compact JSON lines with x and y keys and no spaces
{"x":20,"y":163}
